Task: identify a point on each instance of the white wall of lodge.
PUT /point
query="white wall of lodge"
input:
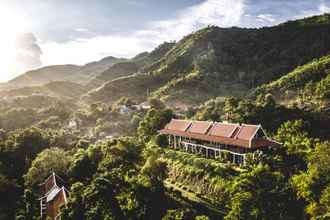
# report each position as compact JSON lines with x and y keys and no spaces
{"x":209,"y":148}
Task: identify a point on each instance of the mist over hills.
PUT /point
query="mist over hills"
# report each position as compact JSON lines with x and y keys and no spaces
{"x":69,"y":72}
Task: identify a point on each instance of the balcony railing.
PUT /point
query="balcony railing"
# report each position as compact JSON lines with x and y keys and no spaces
{"x":209,"y":147}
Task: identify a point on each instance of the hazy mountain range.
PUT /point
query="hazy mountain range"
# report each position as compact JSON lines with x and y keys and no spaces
{"x":208,"y":63}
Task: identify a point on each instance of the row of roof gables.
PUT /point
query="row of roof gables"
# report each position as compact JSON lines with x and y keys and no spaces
{"x":240,"y":134}
{"x":230,"y":130}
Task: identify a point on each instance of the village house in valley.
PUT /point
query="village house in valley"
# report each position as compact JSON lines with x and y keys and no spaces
{"x":217,"y":138}
{"x":54,"y":197}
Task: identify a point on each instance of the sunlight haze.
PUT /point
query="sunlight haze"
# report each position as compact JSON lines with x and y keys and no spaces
{"x":87,"y":31}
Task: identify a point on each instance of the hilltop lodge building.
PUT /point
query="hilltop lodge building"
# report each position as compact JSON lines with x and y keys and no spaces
{"x":214,"y":138}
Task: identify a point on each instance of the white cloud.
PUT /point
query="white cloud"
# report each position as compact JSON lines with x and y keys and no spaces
{"x":223,"y":13}
{"x":81,"y":30}
{"x":28,"y":52}
{"x":320,"y":9}
{"x":81,"y":51}
{"x":323,"y":8}
{"x":266,"y":18}
{"x":15,"y":57}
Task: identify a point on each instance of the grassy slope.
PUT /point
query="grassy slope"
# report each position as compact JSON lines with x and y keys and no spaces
{"x":133,"y":86}
{"x":116,"y":71}
{"x":311,"y":79}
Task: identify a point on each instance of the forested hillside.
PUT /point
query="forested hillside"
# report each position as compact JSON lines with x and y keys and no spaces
{"x":306,"y":86}
{"x":116,"y":71}
{"x":229,"y":61}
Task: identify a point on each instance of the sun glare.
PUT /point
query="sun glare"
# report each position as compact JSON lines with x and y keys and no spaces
{"x":11,"y":25}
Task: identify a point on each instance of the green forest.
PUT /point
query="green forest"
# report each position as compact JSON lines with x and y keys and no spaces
{"x":98,"y":129}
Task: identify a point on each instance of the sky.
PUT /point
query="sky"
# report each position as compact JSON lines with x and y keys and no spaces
{"x":37,"y":33}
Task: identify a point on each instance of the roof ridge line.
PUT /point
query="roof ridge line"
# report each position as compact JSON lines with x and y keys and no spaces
{"x":175,"y":119}
{"x":232,"y":132}
{"x":52,"y":189}
{"x":239,"y":131}
{"x":228,"y":123}
{"x":257,"y":125}
{"x":188,"y":126}
{"x":209,"y":128}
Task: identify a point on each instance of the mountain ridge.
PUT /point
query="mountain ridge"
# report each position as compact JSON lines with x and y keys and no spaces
{"x":216,"y":61}
{"x":66,"y":72}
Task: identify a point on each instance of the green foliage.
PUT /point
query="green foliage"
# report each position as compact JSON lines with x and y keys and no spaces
{"x":135,"y":86}
{"x":83,"y":166}
{"x":120,"y":69}
{"x":9,"y":190}
{"x":30,"y":206}
{"x":161,"y":140}
{"x":311,"y":72}
{"x":146,"y":59}
{"x":323,"y":208}
{"x":156,"y":104}
{"x":153,"y":121}
{"x":18,"y":118}
{"x":20,"y":149}
{"x":307,"y":85}
{"x":155,"y":169}
{"x":312,"y":185}
{"x":322,"y":89}
{"x":310,"y":21}
{"x":251,"y":112}
{"x":294,"y":137}
{"x":41,"y":111}
{"x":256,"y":194}
{"x":206,"y":177}
{"x":48,"y":161}
{"x":108,"y":184}
{"x":125,"y":101}
{"x":211,"y":110}
{"x":178,"y":214}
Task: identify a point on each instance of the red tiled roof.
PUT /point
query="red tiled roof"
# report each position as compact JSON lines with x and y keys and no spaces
{"x":178,"y":125}
{"x":237,"y":129}
{"x":49,"y":184}
{"x":222,"y":129}
{"x":199,"y":127}
{"x":247,"y":132}
{"x":230,"y":134}
{"x":53,"y":206}
{"x":223,"y":140}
